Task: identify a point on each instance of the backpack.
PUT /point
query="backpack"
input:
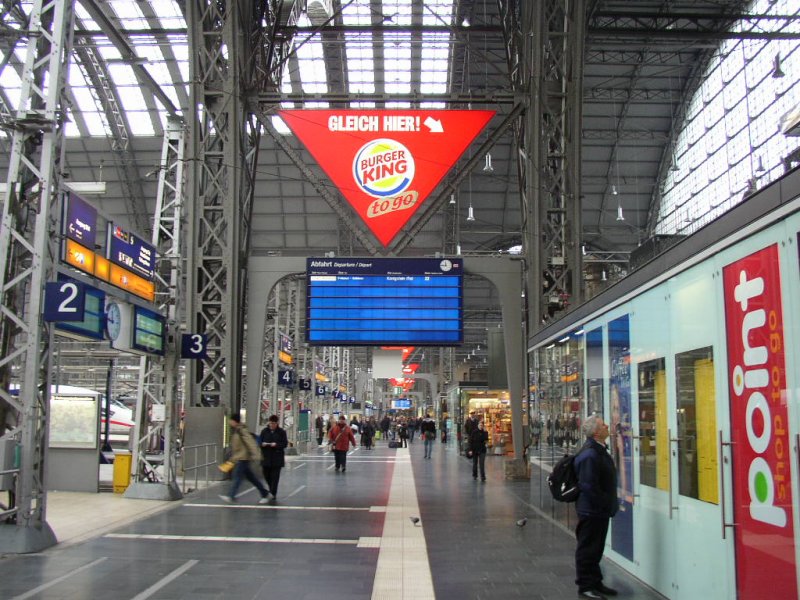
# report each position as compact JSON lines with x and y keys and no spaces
{"x":563,"y":481}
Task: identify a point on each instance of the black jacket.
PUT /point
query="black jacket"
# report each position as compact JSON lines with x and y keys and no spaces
{"x":273,"y":457}
{"x":597,"y":480}
{"x":477,"y":441}
{"x":428,"y":424}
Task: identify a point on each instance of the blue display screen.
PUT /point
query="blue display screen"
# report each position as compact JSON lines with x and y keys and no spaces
{"x":384,"y":301}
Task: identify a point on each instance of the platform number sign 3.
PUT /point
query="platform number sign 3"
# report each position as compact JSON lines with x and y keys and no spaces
{"x":194,"y":345}
{"x":64,"y":301}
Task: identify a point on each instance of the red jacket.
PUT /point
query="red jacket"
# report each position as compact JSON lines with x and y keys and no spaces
{"x":344,"y":440}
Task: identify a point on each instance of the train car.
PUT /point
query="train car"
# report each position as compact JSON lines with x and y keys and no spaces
{"x":694,"y":361}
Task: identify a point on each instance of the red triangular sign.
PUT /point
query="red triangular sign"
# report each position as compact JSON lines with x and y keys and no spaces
{"x":386,"y":162}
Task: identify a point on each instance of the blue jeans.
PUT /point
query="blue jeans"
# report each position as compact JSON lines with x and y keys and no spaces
{"x":241,"y":471}
{"x":428,"y":446}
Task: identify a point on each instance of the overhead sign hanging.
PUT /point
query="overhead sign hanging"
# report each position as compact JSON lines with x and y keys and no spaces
{"x":386,"y":162}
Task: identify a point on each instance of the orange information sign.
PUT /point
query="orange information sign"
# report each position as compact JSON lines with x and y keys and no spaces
{"x":138,"y":286}
{"x":386,"y":162}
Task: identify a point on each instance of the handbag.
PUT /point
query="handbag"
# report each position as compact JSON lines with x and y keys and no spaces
{"x":469,"y":453}
{"x":227,"y":466}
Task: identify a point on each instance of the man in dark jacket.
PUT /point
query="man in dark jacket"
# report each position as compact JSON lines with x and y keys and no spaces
{"x":273,"y":442}
{"x":428,"y":432}
{"x":596,"y":504}
{"x":319,"y":425}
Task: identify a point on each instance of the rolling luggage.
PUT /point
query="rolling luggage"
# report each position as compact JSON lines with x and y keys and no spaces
{"x":394,"y":444}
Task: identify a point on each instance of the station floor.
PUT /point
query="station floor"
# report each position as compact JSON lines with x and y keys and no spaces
{"x":329,"y":535}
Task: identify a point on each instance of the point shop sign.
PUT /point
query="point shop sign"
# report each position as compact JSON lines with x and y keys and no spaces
{"x":386,"y":162}
{"x":762,"y":486}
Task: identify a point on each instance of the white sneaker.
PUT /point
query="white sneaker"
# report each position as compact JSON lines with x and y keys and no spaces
{"x":227,"y":499}
{"x":264,"y":500}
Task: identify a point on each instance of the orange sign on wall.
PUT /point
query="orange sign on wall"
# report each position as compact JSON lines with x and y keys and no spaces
{"x":386,"y":162}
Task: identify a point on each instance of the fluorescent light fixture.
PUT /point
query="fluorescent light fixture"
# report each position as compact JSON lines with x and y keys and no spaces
{"x":579,"y":332}
{"x":87,"y":188}
{"x":563,"y":339}
{"x":90,"y":188}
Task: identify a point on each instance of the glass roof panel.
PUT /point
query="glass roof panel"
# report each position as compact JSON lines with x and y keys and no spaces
{"x":731,"y":140}
{"x":397,"y":12}
{"x":437,"y":12}
{"x":129,"y":11}
{"x":310,"y":57}
{"x":122,"y":74}
{"x":360,"y":63}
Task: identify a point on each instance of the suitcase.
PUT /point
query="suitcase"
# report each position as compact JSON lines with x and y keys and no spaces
{"x":394,"y":444}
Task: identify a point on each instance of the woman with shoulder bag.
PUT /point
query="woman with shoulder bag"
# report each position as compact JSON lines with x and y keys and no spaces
{"x":477,"y":449}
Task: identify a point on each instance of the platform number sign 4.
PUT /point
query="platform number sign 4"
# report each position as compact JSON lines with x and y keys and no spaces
{"x":64,"y":301}
{"x":285,"y":378}
{"x":194,"y":345}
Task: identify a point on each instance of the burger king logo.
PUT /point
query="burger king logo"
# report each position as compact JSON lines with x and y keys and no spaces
{"x":383,"y":168}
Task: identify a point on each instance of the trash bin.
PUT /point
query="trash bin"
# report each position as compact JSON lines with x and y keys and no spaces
{"x":122,"y":472}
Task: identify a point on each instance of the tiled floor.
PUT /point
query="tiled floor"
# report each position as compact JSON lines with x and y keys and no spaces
{"x":330,"y":535}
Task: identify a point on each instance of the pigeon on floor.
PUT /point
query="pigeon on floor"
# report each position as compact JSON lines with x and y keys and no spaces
{"x":522,"y":522}
{"x":414,"y":520}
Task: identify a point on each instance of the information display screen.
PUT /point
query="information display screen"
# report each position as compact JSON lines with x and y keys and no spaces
{"x":148,"y":331}
{"x":384,"y":301}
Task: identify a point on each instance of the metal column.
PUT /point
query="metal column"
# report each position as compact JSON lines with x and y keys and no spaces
{"x":158,"y":376}
{"x":28,"y":251}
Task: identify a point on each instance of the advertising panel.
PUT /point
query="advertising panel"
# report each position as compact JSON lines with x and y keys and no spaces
{"x":762,"y":486}
{"x":386,"y":162}
{"x":619,"y":354}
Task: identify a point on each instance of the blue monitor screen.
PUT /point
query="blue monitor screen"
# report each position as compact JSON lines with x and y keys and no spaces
{"x":384,"y":301}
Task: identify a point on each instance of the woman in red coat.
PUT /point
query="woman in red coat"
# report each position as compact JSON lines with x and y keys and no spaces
{"x":341,"y":436}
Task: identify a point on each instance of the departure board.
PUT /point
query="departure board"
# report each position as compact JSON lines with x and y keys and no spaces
{"x":384,"y":301}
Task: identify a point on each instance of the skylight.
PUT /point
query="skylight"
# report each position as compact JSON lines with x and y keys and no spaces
{"x":160,"y":46}
{"x":731,"y":143}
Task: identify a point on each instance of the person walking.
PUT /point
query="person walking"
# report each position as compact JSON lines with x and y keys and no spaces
{"x":243,"y":450}
{"x":341,"y":437}
{"x":470,"y":425}
{"x":477,"y":446}
{"x":368,"y":433}
{"x":428,"y":432}
{"x":412,"y":429}
{"x":273,"y":443}
{"x":402,"y":431}
{"x":385,"y":422}
{"x":596,"y":505}
{"x":319,"y":425}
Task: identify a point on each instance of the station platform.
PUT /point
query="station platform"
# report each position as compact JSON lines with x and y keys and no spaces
{"x":328,"y":535}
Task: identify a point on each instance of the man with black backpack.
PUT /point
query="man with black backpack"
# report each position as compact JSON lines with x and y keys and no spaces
{"x":596,"y":504}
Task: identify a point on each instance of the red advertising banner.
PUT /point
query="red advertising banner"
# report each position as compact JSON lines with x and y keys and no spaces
{"x":386,"y":162}
{"x":762,"y":486}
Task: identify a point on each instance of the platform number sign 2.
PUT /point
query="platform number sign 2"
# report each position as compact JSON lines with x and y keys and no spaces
{"x":64,"y":301}
{"x":194,"y":345}
{"x":285,"y":378}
